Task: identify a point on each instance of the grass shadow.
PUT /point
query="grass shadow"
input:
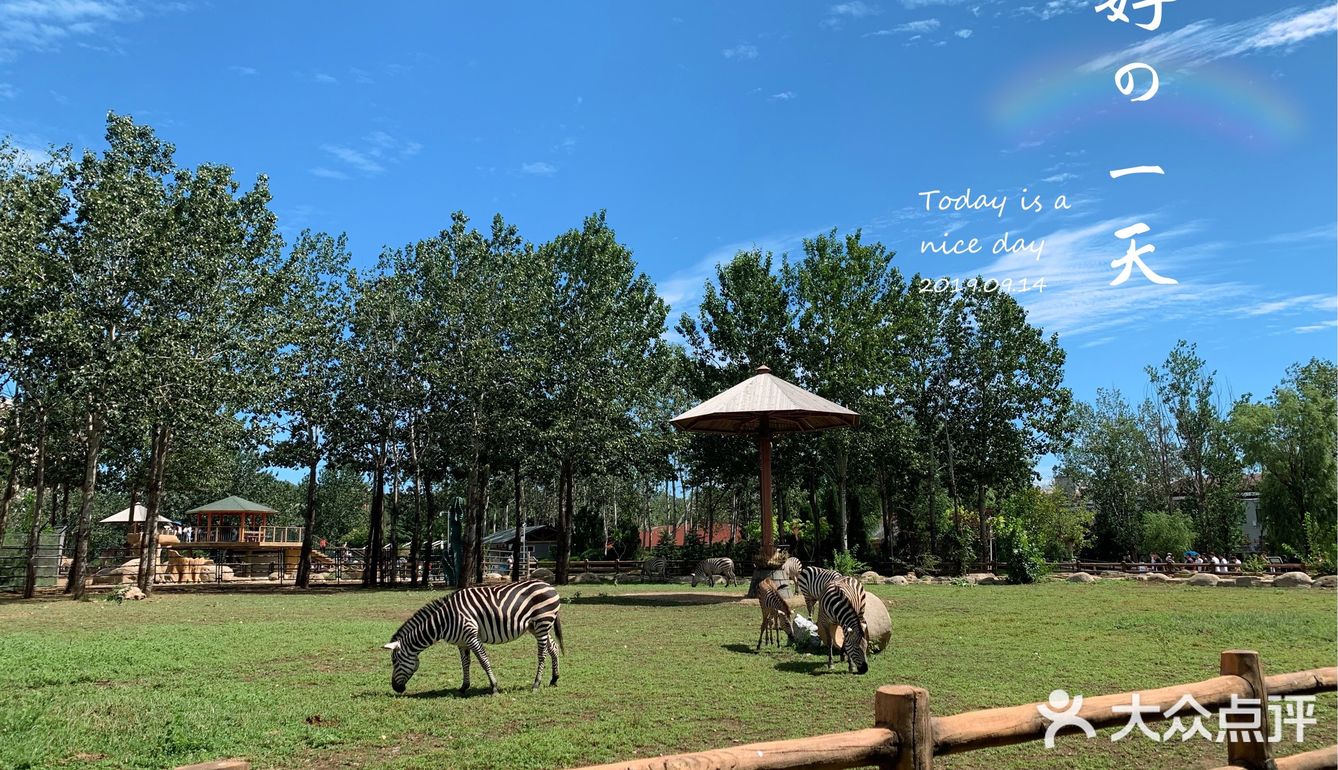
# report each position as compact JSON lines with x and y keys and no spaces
{"x":744,"y":649}
{"x":810,"y":667}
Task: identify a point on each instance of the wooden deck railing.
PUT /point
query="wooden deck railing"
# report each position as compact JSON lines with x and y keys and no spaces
{"x":906,"y":736}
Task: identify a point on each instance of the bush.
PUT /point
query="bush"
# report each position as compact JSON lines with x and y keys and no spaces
{"x":846,"y":563}
{"x":1025,"y":560}
{"x":1321,"y":553}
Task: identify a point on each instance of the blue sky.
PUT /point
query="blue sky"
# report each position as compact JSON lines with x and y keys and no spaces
{"x":706,"y":128}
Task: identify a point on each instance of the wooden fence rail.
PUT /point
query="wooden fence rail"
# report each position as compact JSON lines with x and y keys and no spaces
{"x":906,"y":736}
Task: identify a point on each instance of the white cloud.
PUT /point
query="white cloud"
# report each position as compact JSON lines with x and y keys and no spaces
{"x":43,"y":25}
{"x":328,"y":173}
{"x":1063,"y":176}
{"x":8,"y":91}
{"x":963,"y":33}
{"x":1055,"y":8}
{"x":913,"y":4}
{"x":538,"y":168}
{"x":740,"y":52}
{"x":1300,"y":302}
{"x":377,"y":151}
{"x":244,"y":71}
{"x":1204,"y":41}
{"x":322,"y":77}
{"x":783,"y":96}
{"x":682,"y":289}
{"x":1319,"y":327}
{"x":919,"y":27}
{"x":855,"y":9}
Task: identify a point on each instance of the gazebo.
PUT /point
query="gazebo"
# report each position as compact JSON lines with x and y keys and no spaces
{"x":764,"y":405}
{"x":235,"y":521}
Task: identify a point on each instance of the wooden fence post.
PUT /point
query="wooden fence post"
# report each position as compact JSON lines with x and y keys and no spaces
{"x":1255,"y":755}
{"x":905,"y":711}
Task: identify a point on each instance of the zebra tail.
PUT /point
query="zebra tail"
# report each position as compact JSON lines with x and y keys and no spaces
{"x":557,"y":632}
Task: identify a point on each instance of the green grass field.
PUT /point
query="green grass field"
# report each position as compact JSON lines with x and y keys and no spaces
{"x":299,"y":681}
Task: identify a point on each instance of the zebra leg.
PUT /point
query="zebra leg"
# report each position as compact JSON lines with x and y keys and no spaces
{"x":760,"y":632}
{"x":464,"y":666}
{"x":542,"y":638}
{"x":477,"y":647}
{"x":553,"y":661}
{"x":830,"y":636}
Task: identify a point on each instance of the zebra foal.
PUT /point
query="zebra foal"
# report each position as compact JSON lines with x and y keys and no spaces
{"x":473,"y":616}
{"x":655,"y":567}
{"x":775,"y":614}
{"x":708,"y":569}
{"x":842,"y":605}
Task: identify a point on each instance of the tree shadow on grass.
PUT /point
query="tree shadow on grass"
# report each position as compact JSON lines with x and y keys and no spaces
{"x":745,"y":649}
{"x":681,"y":599}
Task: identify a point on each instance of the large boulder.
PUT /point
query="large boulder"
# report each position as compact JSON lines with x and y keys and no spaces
{"x":1328,"y":581}
{"x":896,"y":580}
{"x":994,"y":580}
{"x":543,"y":573}
{"x":977,"y":577}
{"x":1246,"y":581}
{"x":1292,"y":580}
{"x":1154,"y":577}
{"x":1203,"y":579}
{"x":586,"y":577}
{"x":875,"y":617}
{"x":1081,"y":577}
{"x":870,"y":578}
{"x":133,"y":593}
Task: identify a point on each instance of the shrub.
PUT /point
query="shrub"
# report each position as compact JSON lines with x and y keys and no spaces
{"x":1024,"y":559}
{"x":846,"y":563}
{"x":1254,"y":564}
{"x":1167,"y":532}
{"x":1321,"y":551}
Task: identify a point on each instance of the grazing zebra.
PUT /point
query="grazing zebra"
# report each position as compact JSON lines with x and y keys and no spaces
{"x":708,"y":569}
{"x":842,"y":605}
{"x":812,"y":581}
{"x":470,"y":617}
{"x":775,"y":614}
{"x":656,"y":567}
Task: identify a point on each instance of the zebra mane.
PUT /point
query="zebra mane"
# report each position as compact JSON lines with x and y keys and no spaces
{"x":410,"y":627}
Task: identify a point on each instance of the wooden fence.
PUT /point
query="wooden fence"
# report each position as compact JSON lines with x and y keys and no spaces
{"x":905,"y":736}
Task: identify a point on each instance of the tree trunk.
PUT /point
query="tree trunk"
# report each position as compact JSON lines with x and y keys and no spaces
{"x":415,"y":541}
{"x":842,"y":484}
{"x":467,"y":566}
{"x":952,"y":490}
{"x":148,"y":562}
{"x":371,"y":573}
{"x":429,"y":530}
{"x":35,"y":531}
{"x":485,"y":481}
{"x":10,"y":487}
{"x":84,"y":525}
{"x":395,"y":519}
{"x":813,"y":510}
{"x":986,"y":547}
{"x":885,"y":510}
{"x":564,"y":522}
{"x":518,"y":545}
{"x":308,"y":516}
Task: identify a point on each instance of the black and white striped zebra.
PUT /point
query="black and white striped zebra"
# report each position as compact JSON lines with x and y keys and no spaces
{"x":842,"y":605}
{"x":775,"y":614}
{"x":791,"y":568}
{"x":655,"y":567}
{"x":708,"y":569}
{"x":812,"y":581}
{"x":473,"y":616}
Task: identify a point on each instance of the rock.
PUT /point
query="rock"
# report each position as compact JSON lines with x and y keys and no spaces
{"x":994,"y":580}
{"x":226,"y":574}
{"x":1328,"y":581}
{"x":1111,"y":574}
{"x":880,"y":624}
{"x":1292,"y":580}
{"x":870,"y":577}
{"x":1246,"y":581}
{"x":219,"y":764}
{"x":543,"y":573}
{"x":805,"y":631}
{"x":586,"y":577}
{"x":1081,"y":577}
{"x":1186,"y":574}
{"x":1203,"y":579}
{"x":1226,"y":581}
{"x":977,"y":577}
{"x":911,"y":578}
{"x":896,"y":580}
{"x":133,"y":593}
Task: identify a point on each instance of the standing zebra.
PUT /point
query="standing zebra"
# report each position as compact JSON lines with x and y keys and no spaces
{"x":842,"y":605}
{"x":812,"y":581}
{"x":655,"y":567}
{"x":708,"y":569}
{"x":791,"y":568}
{"x":472,"y":616}
{"x":775,"y":614}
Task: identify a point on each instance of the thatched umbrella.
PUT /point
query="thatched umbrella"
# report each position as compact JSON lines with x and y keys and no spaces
{"x":765,"y":405}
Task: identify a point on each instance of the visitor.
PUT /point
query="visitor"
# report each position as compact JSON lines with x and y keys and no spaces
{"x":1235,"y":563}
{"x":1154,"y":561}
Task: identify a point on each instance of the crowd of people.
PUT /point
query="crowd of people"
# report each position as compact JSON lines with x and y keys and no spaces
{"x":1192,"y":561}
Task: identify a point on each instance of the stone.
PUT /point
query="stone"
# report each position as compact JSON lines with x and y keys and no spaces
{"x":911,"y":578}
{"x":219,"y":764}
{"x":1292,"y":580}
{"x":1081,"y":577}
{"x":977,"y":577}
{"x":1203,"y":579}
{"x":543,"y":573}
{"x":879,"y":622}
{"x":896,"y":580}
{"x":870,"y":577}
{"x":134,"y":594}
{"x":1328,"y":581}
{"x":994,"y":580}
{"x":1246,"y":581}
{"x":1111,"y":574}
{"x":586,"y":577}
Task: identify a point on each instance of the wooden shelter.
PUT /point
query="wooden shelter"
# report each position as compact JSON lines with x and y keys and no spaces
{"x":763,"y":406}
{"x":235,"y":523}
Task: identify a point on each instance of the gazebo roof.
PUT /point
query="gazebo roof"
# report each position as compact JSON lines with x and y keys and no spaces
{"x":786,"y":407}
{"x":233,"y":504}
{"x":123,"y":516}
